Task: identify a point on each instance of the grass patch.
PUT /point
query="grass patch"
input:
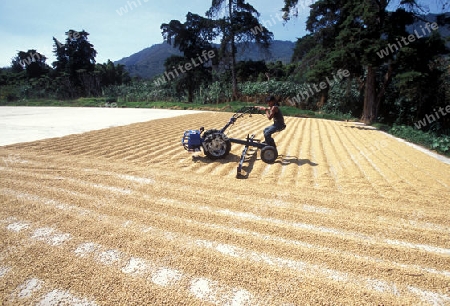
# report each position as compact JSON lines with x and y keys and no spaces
{"x":382,"y":126}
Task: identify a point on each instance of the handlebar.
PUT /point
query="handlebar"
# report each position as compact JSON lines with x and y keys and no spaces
{"x":246,"y":110}
{"x":240,"y":113}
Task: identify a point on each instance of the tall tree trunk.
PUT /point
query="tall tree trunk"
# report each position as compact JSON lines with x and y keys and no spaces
{"x":370,"y":97}
{"x":233,"y":70}
{"x":382,"y":91}
{"x":190,"y":94}
{"x":323,"y":98}
{"x":233,"y":54}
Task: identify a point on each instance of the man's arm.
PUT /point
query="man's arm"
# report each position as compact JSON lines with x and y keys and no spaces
{"x":270,"y":112}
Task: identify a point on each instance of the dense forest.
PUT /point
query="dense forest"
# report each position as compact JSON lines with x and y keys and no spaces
{"x":368,"y":58}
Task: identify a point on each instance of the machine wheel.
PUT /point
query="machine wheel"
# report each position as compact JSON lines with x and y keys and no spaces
{"x":216,"y":145}
{"x":269,"y":154}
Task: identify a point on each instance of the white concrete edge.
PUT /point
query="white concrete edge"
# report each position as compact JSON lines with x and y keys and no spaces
{"x":428,"y":152}
{"x":439,"y":157}
{"x":28,"y":124}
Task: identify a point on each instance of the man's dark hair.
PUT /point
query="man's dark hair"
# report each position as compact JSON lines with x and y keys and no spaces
{"x":270,"y":98}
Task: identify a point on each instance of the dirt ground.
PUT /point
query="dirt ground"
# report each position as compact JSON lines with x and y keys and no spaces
{"x":125,"y":216}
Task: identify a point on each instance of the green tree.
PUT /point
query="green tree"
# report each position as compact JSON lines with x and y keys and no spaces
{"x":250,"y":70}
{"x":76,"y":55}
{"x":111,"y":74}
{"x":366,"y":26}
{"x":350,"y":33}
{"x":302,"y":47}
{"x":193,"y":38}
{"x":317,"y":51}
{"x":32,"y":62}
{"x":75,"y":65}
{"x":418,"y":82}
{"x":240,"y":24}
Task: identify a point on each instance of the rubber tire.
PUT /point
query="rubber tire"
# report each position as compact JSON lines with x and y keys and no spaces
{"x":269,"y":154}
{"x":216,"y":145}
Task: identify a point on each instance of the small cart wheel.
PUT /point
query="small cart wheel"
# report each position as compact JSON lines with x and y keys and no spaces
{"x":269,"y":154}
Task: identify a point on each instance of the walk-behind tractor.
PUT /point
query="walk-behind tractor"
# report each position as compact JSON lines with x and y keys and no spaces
{"x":217,"y":145}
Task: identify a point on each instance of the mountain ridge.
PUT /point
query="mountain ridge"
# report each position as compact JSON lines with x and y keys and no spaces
{"x":149,"y":62}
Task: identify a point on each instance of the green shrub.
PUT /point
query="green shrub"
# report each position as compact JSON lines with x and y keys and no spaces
{"x":430,"y":140}
{"x":9,"y":93}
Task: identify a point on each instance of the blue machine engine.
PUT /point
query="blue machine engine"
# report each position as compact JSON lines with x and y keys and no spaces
{"x":192,"y":140}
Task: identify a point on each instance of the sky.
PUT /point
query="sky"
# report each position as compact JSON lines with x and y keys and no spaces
{"x":117,"y":28}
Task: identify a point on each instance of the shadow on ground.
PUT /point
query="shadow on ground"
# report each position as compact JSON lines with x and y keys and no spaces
{"x":204,"y":159}
{"x":287,"y":160}
{"x":249,"y":161}
{"x":248,"y":164}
